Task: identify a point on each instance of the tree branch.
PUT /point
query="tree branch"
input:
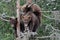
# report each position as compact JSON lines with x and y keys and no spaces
{"x":4,"y":19}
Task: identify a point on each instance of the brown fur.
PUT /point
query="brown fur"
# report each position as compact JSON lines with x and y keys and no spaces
{"x":14,"y":22}
{"x":34,"y":8}
{"x":31,"y":20}
{"x":34,"y":11}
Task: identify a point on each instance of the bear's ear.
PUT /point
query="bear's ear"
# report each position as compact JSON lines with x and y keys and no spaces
{"x":28,"y":9}
{"x":12,"y":19}
{"x":30,"y":4}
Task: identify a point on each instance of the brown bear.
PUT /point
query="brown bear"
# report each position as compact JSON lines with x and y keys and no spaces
{"x":14,"y":22}
{"x":31,"y":21}
{"x":34,"y":8}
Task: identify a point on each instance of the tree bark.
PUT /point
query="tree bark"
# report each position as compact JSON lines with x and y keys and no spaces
{"x":26,"y":34}
{"x":18,"y":19}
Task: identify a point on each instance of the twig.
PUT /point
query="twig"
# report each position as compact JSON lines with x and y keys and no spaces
{"x":49,"y":17}
{"x":47,"y":36}
{"x":44,"y":37}
{"x":48,"y":11}
{"x":54,"y":28}
{"x":4,"y":19}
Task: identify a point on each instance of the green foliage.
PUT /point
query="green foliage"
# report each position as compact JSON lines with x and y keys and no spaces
{"x":7,"y":32}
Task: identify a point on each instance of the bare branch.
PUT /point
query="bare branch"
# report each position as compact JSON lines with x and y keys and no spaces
{"x":44,"y":37}
{"x":4,"y":19}
{"x":49,"y":17}
{"x":54,"y":28}
{"x":48,"y":36}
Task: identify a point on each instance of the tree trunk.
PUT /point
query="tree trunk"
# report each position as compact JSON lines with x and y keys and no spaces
{"x":18,"y":19}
